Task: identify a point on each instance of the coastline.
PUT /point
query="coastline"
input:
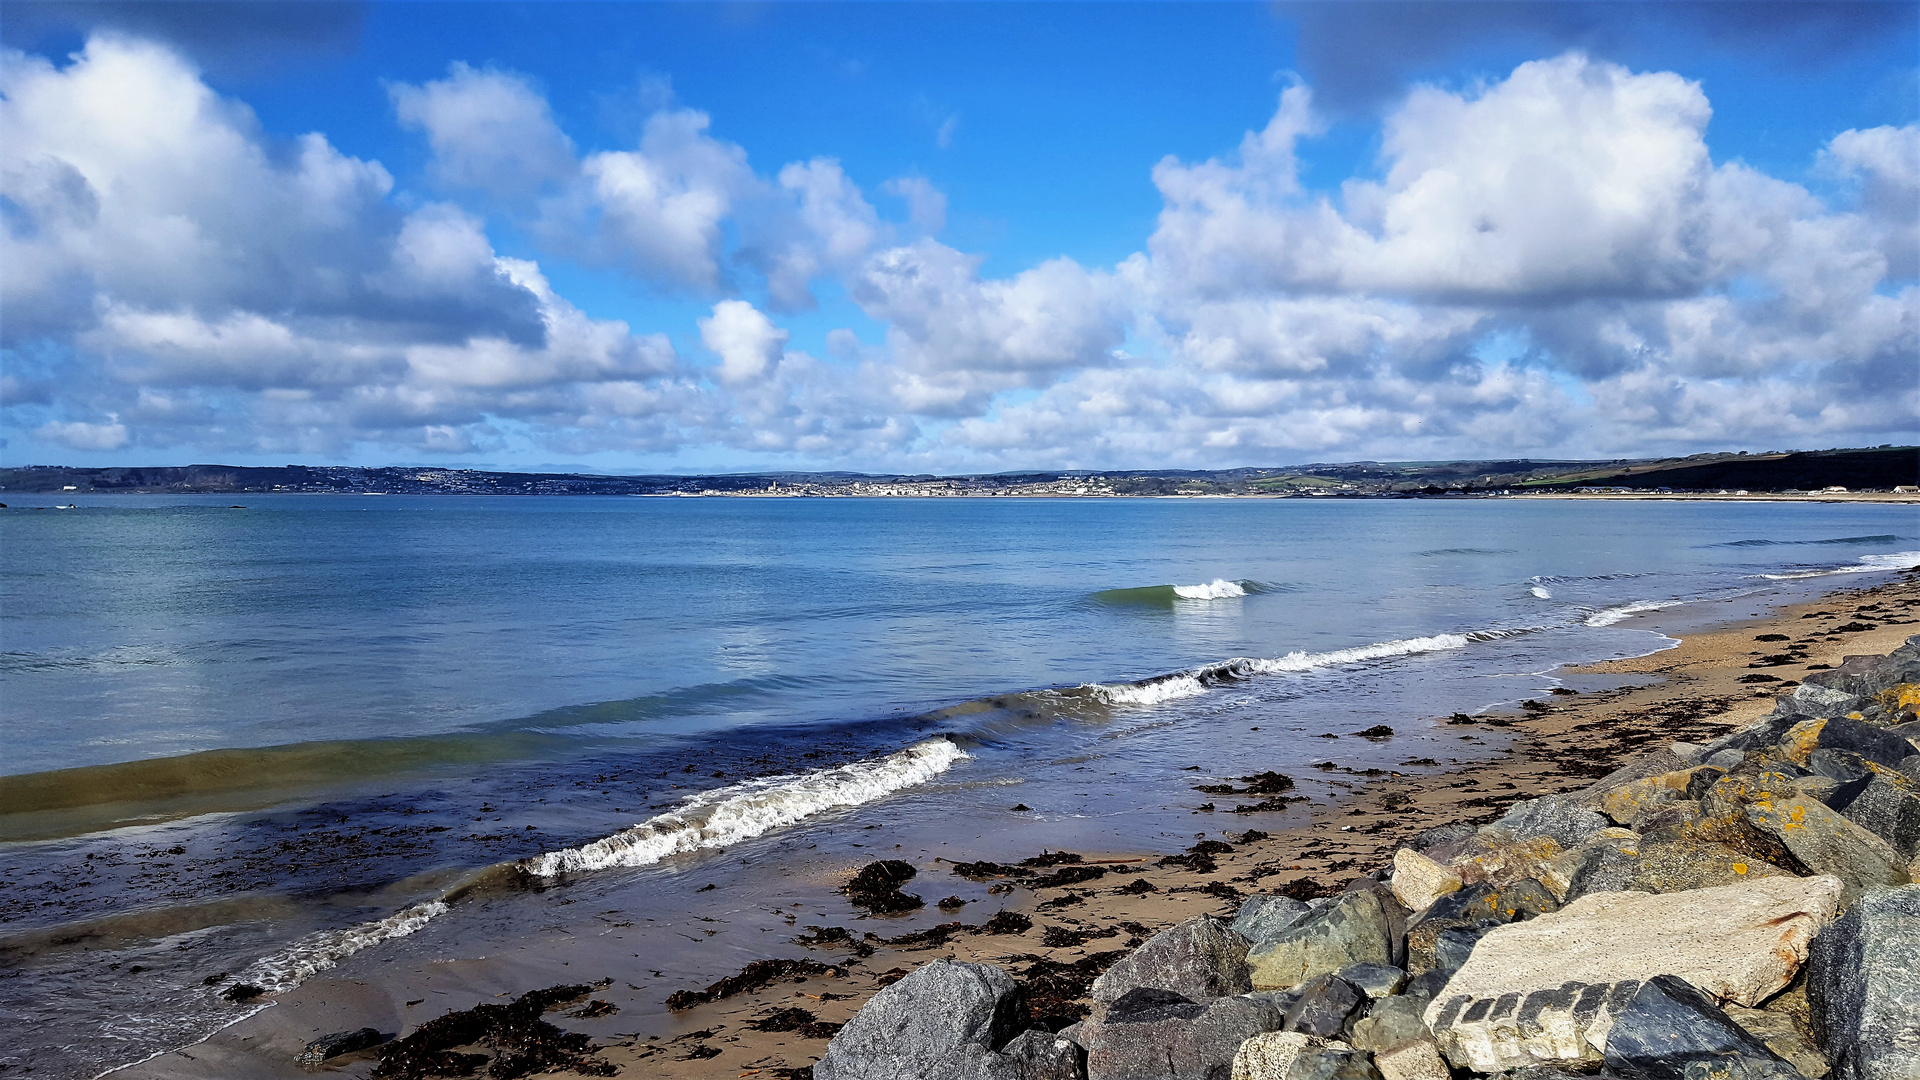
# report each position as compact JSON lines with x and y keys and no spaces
{"x":1689,"y":692}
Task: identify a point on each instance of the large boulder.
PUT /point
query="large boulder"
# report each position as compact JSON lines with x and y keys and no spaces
{"x":1669,"y":1030}
{"x":946,"y":1021}
{"x":1679,"y":865}
{"x":1323,"y":1006}
{"x":1198,"y":959}
{"x":1868,"y":676}
{"x":1560,"y":817}
{"x":1042,"y":1055}
{"x":1263,"y":918}
{"x":1269,"y":1056}
{"x":1418,"y":880}
{"x":1876,"y":744}
{"x":1353,"y":928}
{"x":1827,"y":843}
{"x":1739,"y":943}
{"x":1863,"y":984}
{"x":1884,"y":807}
{"x":1498,"y":1031}
{"x":1332,"y":1063}
{"x":1415,"y":1061}
{"x":1158,"y":1034}
{"x":1783,"y":1035}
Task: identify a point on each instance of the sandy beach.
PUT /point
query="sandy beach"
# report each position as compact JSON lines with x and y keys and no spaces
{"x":1070,"y":915}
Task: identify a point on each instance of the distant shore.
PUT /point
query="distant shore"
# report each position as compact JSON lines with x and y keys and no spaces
{"x":1704,"y":686}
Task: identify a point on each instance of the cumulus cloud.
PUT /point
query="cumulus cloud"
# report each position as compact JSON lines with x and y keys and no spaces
{"x":489,"y":130}
{"x":165,"y":261}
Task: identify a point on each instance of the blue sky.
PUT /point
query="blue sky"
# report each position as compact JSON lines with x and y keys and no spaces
{"x":954,"y":236}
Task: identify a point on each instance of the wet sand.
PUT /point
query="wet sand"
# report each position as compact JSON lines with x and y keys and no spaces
{"x":1562,"y":742}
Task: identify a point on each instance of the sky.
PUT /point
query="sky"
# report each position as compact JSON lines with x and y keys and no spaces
{"x":920,"y":237}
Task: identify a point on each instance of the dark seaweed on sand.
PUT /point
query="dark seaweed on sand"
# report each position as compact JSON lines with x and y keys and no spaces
{"x":521,"y":1041}
{"x":877,"y":887}
{"x":755,"y":976}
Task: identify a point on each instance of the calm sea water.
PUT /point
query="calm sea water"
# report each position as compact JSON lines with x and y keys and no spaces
{"x":269,"y":742}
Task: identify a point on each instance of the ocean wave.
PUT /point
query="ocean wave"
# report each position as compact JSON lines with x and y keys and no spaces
{"x":1217,"y":589}
{"x":1609,"y":616}
{"x":1541,"y":591}
{"x":1877,"y":538}
{"x":729,"y":815}
{"x":1436,"y":552}
{"x":1899,"y":560}
{"x":315,"y":953}
{"x":1196,"y":681}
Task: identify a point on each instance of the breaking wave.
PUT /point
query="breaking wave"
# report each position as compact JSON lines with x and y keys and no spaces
{"x":1609,"y":616}
{"x":1899,"y":560}
{"x":1541,"y":591}
{"x":1167,"y":596}
{"x":1183,"y":684}
{"x":728,"y":815}
{"x":314,"y":953}
{"x":1877,"y":538}
{"x":1217,"y":589}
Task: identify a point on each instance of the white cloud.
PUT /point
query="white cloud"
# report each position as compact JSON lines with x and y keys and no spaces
{"x":745,"y":340}
{"x":489,"y":130}
{"x":83,"y":436}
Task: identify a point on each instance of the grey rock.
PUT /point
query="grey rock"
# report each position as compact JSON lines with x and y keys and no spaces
{"x":1327,"y":1063}
{"x":1669,"y":1030}
{"x":1374,"y":980}
{"x":1152,"y":1033}
{"x":1395,"y":912}
{"x":1680,"y":865}
{"x":1601,"y":868}
{"x":1827,"y":843}
{"x":1758,"y":735}
{"x":1876,"y":744}
{"x":1038,"y":1055}
{"x":1883,"y":808}
{"x":1812,"y":699}
{"x":1322,"y":1009}
{"x":1863,"y":987}
{"x":1726,"y":758}
{"x":1561,"y":817}
{"x":1354,"y":928}
{"x":1390,"y":1023}
{"x":946,"y":1021}
{"x":1840,"y":765}
{"x":1453,"y":945}
{"x":1865,"y":676}
{"x":1652,"y":764}
{"x":1493,"y":1033}
{"x":1782,"y":1036}
{"x":1200,"y":958}
{"x":340,"y":1042}
{"x":1441,"y":835}
{"x":1817,"y":788}
{"x":1264,"y":918}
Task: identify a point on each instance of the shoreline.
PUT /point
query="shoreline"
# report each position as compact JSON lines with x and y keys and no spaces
{"x":1690,"y":692}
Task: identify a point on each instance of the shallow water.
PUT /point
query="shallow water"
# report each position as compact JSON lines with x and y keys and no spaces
{"x":262,"y":741}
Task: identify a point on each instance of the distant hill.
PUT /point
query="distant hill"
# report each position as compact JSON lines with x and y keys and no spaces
{"x":1876,"y":469}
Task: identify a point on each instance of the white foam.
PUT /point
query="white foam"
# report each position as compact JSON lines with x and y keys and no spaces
{"x":1154,"y":692}
{"x":739,"y":812}
{"x":1306,"y":661}
{"x":292,"y":965}
{"x":1217,"y":589}
{"x":1542,"y":592}
{"x":1899,"y":560}
{"x":1609,"y":616}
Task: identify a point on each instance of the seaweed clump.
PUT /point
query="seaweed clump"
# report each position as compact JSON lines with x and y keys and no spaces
{"x":522,"y":1043}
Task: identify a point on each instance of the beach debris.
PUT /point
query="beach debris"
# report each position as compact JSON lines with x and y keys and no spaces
{"x":521,"y":1043}
{"x":877,"y":888}
{"x":338,"y":1043}
{"x":1007,"y":922}
{"x":755,"y":976}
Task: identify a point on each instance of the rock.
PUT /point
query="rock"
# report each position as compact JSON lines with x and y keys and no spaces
{"x":340,"y":1042}
{"x":1441,"y":835}
{"x":1499,"y":1031}
{"x":1883,"y":808}
{"x":1323,"y":1006}
{"x":1876,"y":744}
{"x":1827,"y":843}
{"x":1391,"y":1023}
{"x":1331,"y":1063}
{"x":1418,"y":881}
{"x":1263,"y":918}
{"x":945,"y":1021}
{"x":1492,"y":858}
{"x":1268,"y":1056}
{"x":1782,"y":1036}
{"x":1374,"y":980}
{"x":1674,"y":815}
{"x":1653,"y":764}
{"x":1728,"y":759}
{"x":1560,"y":817}
{"x":1867,"y":676}
{"x":1627,"y":803}
{"x":1520,"y":900}
{"x":1730,"y":830}
{"x":1863,"y":986}
{"x":1739,"y":943}
{"x":1353,"y":928}
{"x":1415,"y":1061}
{"x":1840,"y":765}
{"x":1669,"y":1030}
{"x":1602,"y":869}
{"x":1149,"y":1032}
{"x":1762,"y":733}
{"x":1812,"y":699}
{"x":1038,"y":1055}
{"x":1818,"y":788}
{"x":1453,"y":945}
{"x":1198,"y":959}
{"x":1684,"y":864}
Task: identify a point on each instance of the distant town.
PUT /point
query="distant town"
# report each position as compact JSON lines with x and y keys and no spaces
{"x":1888,"y":470}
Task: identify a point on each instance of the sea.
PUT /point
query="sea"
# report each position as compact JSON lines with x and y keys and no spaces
{"x":270,"y":739}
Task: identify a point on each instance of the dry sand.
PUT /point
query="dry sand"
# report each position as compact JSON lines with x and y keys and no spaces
{"x":1692,"y":692}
